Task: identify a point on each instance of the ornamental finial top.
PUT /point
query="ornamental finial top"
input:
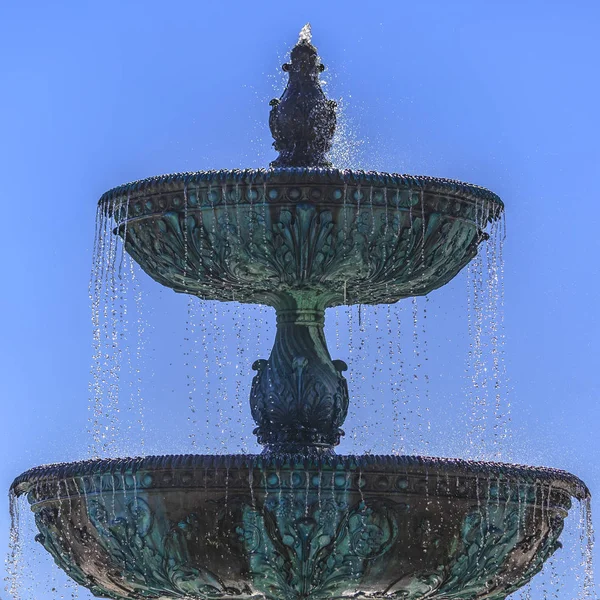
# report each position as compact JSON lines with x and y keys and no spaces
{"x":305,"y":34}
{"x":303,"y":120}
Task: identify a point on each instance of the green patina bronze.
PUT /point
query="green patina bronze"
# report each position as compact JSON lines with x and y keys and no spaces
{"x":329,"y":527}
{"x":298,"y":521}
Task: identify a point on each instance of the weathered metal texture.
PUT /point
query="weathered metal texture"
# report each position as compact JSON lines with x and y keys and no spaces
{"x":303,"y":120}
{"x":326,"y":236}
{"x":249,"y":527}
{"x":301,"y":240}
{"x":299,"y":397}
{"x":316,"y":526}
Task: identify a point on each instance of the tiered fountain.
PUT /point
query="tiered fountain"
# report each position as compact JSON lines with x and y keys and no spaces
{"x":299,"y":521}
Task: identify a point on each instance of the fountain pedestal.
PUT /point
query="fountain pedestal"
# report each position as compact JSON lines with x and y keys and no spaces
{"x":299,"y":397}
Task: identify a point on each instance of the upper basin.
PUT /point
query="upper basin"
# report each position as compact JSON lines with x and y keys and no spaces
{"x":405,"y":528}
{"x":318,"y":237}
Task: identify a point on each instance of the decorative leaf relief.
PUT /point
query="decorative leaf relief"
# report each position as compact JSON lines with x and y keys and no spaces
{"x":301,"y":548}
{"x":310,"y":400}
{"x":155,"y":559}
{"x":253,"y":251}
{"x":299,"y":541}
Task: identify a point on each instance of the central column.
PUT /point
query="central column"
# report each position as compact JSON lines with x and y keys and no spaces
{"x":299,"y":397}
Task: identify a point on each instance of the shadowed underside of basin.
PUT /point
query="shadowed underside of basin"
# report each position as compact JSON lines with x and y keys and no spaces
{"x":248,"y":526}
{"x":290,"y":236}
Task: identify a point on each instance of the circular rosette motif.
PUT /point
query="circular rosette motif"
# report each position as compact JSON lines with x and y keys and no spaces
{"x":292,"y":235}
{"x":253,"y":527}
{"x":373,"y":530}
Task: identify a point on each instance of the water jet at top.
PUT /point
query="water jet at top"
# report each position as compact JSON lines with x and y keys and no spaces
{"x":298,"y":520}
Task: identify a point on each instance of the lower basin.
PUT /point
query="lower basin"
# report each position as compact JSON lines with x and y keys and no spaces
{"x":256,"y":527}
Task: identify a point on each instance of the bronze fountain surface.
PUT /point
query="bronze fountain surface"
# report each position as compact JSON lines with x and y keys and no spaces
{"x":300,"y":521}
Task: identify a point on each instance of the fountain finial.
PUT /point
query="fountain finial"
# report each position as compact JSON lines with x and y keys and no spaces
{"x":305,"y":34}
{"x":303,"y":120}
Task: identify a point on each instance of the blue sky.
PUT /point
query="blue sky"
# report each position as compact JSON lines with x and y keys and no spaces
{"x":502,"y":94}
